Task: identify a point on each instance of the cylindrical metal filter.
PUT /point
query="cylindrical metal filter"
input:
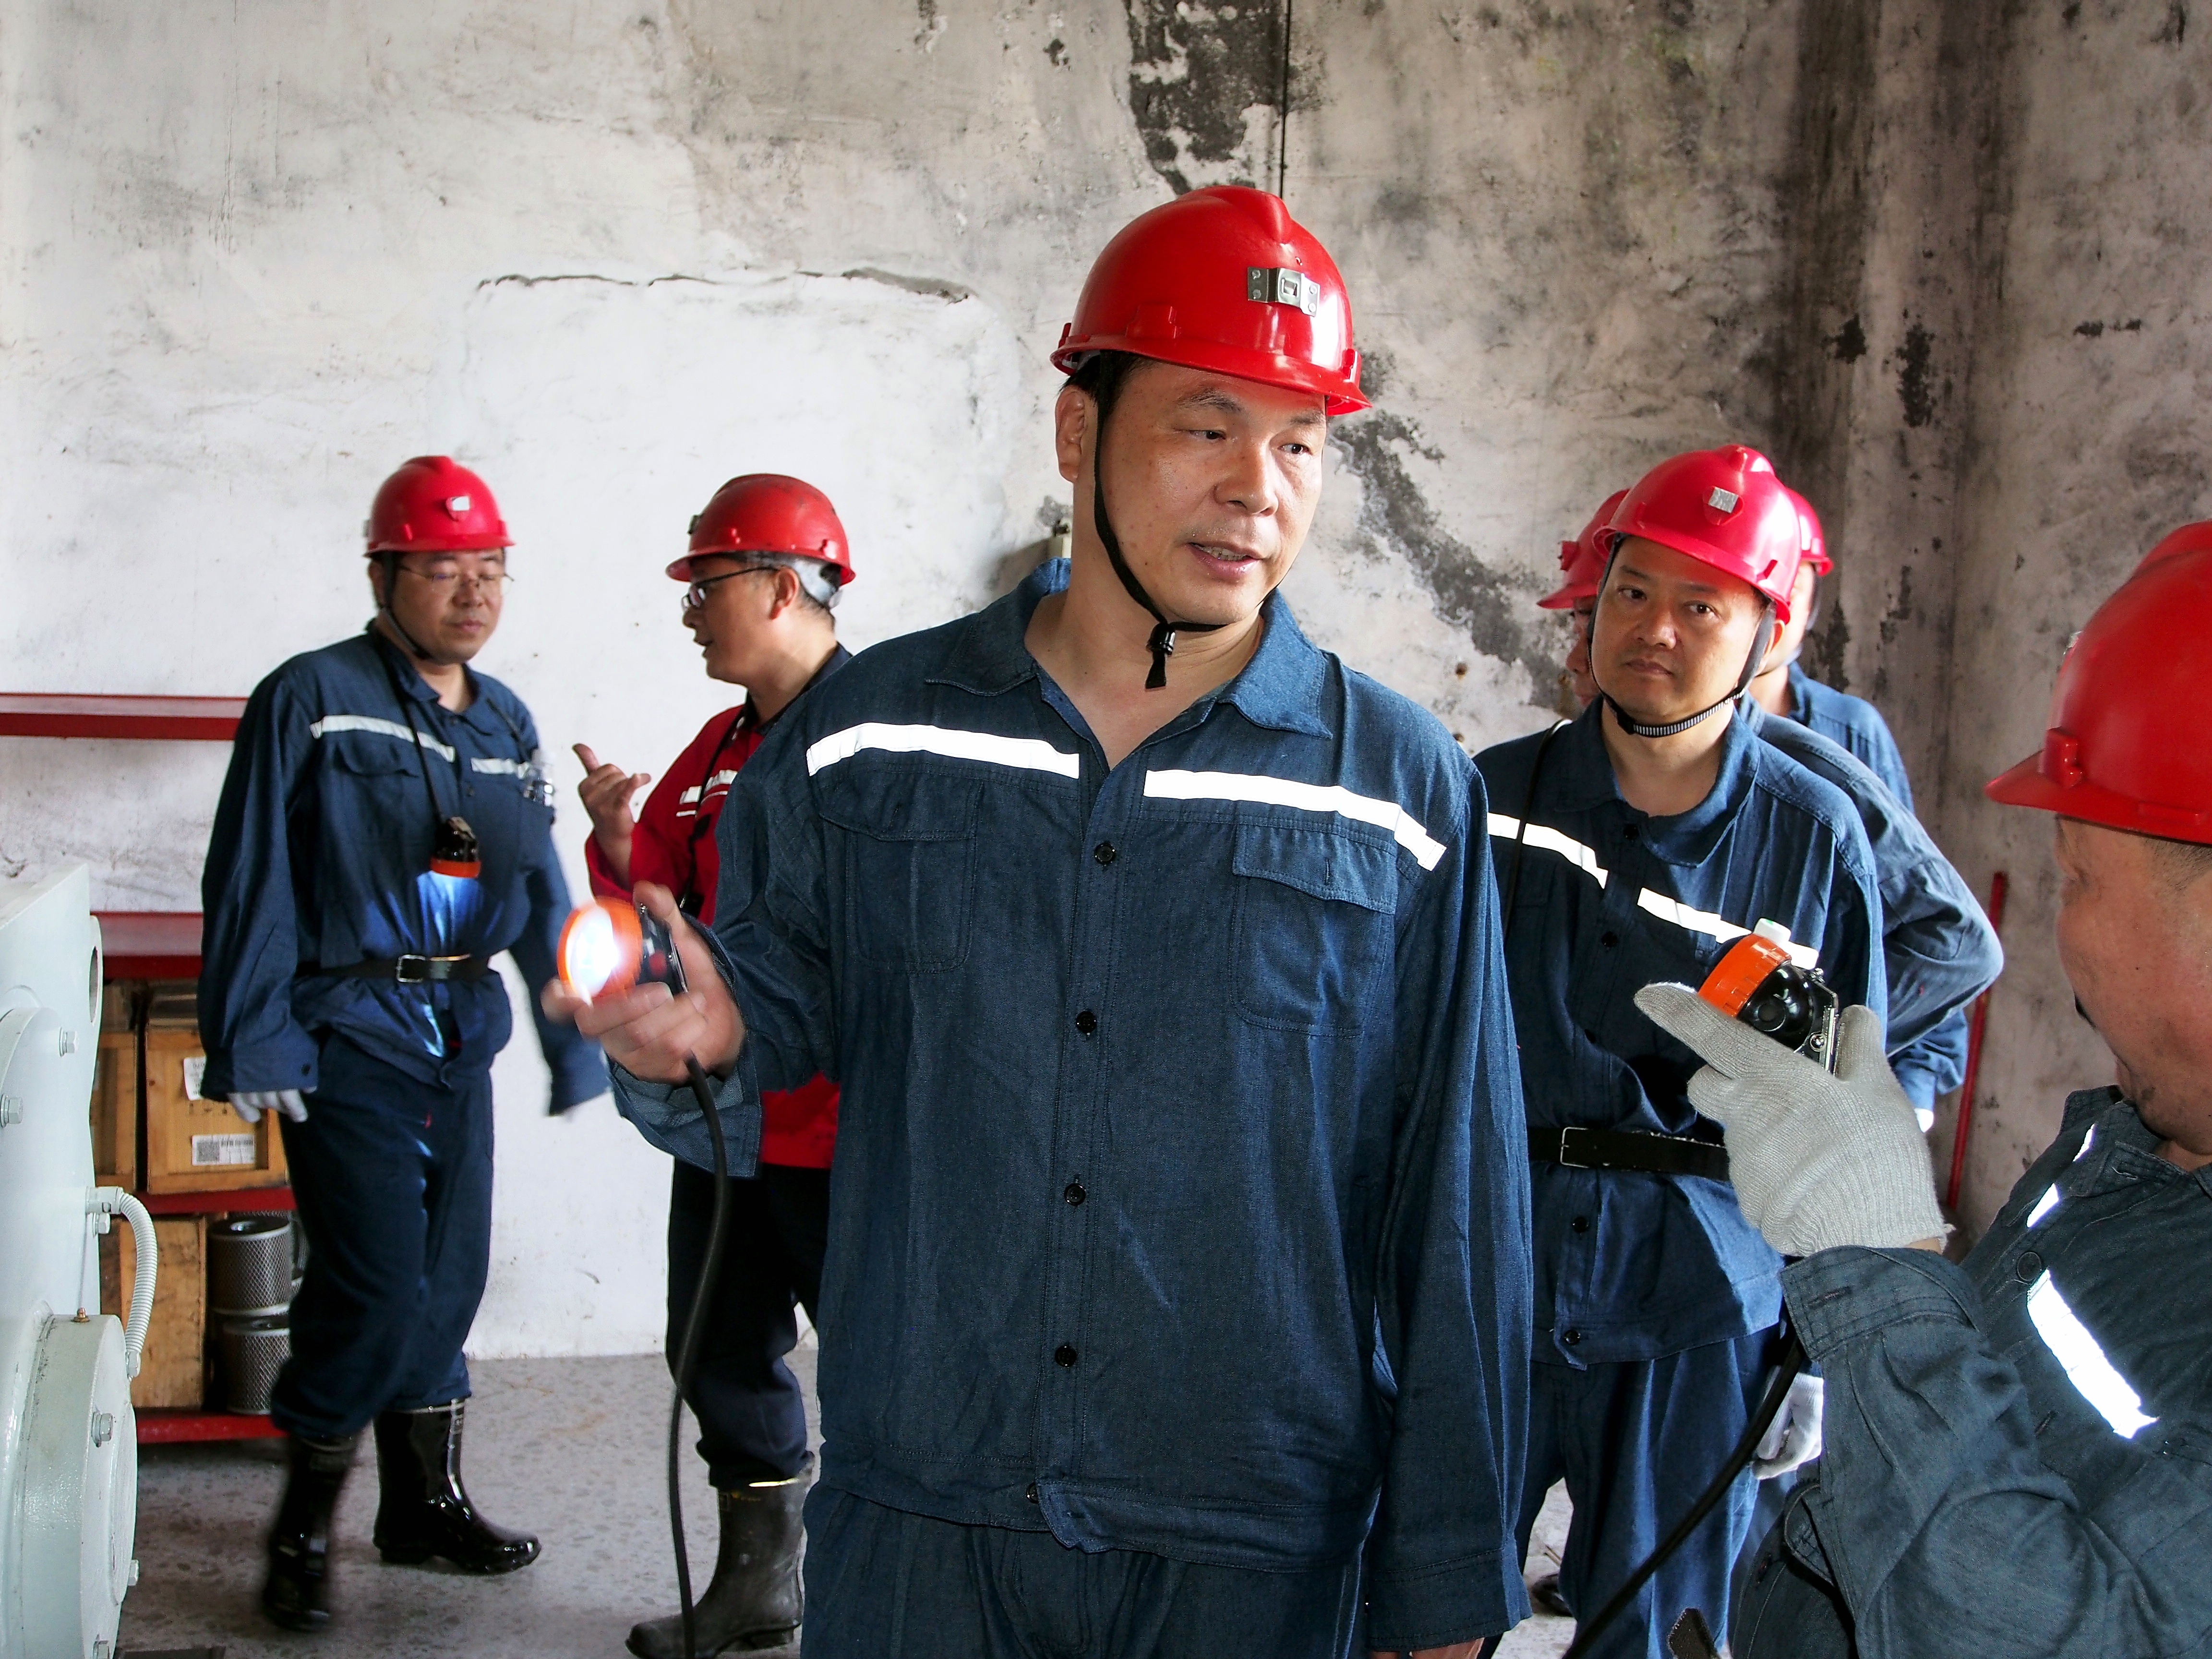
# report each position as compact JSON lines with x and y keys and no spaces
{"x":253,"y":1352}
{"x":250,"y":1265}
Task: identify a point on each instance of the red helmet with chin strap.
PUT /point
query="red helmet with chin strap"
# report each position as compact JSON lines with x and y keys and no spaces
{"x":2123,"y":748}
{"x":1583,"y":561}
{"x":433,"y":504}
{"x":1723,"y":507}
{"x":769,"y":513}
{"x":1222,"y":279}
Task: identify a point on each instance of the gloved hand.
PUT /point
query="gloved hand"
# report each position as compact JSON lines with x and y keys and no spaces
{"x":1818,"y":1159}
{"x":250,"y":1103}
{"x":1794,"y":1436}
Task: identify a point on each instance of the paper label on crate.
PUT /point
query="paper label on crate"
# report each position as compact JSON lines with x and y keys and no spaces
{"x":222,"y":1151}
{"x":195,"y":1073}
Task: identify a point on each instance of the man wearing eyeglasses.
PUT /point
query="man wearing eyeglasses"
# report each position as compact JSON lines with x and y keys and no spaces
{"x":384,"y":830}
{"x":767,"y":560}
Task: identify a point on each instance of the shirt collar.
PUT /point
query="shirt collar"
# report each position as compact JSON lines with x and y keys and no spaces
{"x":1279,"y":688}
{"x":2126,"y":1150}
{"x":480,"y":715}
{"x":749,"y":716}
{"x":1585,"y":781}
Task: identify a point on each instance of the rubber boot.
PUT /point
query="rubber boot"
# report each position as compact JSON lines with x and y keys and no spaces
{"x":1545,"y":1592}
{"x":424,"y":1510}
{"x":755,"y":1600}
{"x":296,"y":1593}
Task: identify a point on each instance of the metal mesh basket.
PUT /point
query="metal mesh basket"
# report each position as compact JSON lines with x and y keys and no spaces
{"x":250,"y":1265}
{"x":253,"y":1352}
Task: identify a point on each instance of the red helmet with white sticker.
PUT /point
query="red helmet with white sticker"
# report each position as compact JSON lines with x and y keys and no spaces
{"x":433,"y":504}
{"x":1222,"y":279}
{"x":1723,"y":507}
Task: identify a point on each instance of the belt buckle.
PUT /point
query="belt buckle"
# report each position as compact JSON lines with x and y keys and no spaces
{"x":412,"y":970}
{"x":1566,"y":1161}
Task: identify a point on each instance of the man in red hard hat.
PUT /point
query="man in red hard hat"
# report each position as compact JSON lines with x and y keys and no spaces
{"x":2019,"y":1453}
{"x":384,"y":830}
{"x":1635,"y":844}
{"x":1176,"y":1297}
{"x":767,"y":560}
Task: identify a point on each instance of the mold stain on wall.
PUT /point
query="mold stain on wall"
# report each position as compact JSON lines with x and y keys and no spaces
{"x":1206,"y":88}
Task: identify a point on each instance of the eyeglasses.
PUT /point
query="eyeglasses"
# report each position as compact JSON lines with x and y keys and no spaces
{"x":695,"y":597}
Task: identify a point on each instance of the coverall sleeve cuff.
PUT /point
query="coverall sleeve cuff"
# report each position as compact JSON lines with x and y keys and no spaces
{"x":1840,"y":1296}
{"x":293,"y":1061}
{"x":668,"y":1116}
{"x":1435,"y":1607}
{"x":579,"y":1077}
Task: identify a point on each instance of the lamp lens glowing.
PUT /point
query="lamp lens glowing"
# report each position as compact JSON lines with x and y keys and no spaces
{"x":590,"y":954}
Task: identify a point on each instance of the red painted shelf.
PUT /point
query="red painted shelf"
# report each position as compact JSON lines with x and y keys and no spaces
{"x":150,"y":944}
{"x":171,"y":1428}
{"x":61,"y":714}
{"x":219,"y":1203}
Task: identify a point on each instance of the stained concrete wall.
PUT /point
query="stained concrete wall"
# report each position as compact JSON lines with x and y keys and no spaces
{"x":254,"y":254}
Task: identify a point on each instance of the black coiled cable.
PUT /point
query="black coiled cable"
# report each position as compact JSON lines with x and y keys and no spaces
{"x":687,"y":1350}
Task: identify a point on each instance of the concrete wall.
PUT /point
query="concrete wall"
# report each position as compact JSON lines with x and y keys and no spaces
{"x":254,"y":254}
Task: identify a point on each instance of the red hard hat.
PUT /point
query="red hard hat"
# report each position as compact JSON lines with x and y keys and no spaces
{"x":433,"y":504}
{"x":769,"y":513}
{"x":1583,"y":562}
{"x":1723,"y":507}
{"x":1222,"y":279}
{"x":1814,"y":545}
{"x":2122,"y":749}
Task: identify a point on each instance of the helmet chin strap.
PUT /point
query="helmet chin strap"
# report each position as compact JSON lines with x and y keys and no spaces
{"x":390,"y":563}
{"x":1162,"y":644}
{"x":1761,"y":642}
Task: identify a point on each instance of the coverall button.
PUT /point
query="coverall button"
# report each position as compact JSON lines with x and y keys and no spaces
{"x":1065,"y":1353}
{"x":1073,"y":1192}
{"x":1086,"y":1021}
{"x":1031,"y":1493}
{"x":2028,"y":1268}
{"x":1629,"y":830}
{"x":1105,"y":852}
{"x":1571,"y":1336}
{"x":1608,"y":939}
{"x":1580,"y":1224}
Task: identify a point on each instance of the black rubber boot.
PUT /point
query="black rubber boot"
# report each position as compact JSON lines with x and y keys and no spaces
{"x":296,"y":1593}
{"x":1545,"y":1592}
{"x":423,"y":1511}
{"x":755,"y":1600}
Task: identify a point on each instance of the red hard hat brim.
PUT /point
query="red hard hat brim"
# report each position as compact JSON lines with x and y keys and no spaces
{"x":442,"y":545}
{"x":1341,"y":394}
{"x":2026,"y":785}
{"x":1566,"y":597}
{"x":681,"y":570}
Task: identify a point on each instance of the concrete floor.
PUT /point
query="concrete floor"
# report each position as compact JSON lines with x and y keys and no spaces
{"x":572,"y":1449}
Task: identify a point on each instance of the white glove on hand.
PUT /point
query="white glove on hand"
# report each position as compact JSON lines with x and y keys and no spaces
{"x":251,"y":1103}
{"x":1794,"y":1436}
{"x":1817,"y":1159}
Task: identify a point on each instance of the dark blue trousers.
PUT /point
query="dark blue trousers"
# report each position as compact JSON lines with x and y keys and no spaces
{"x":1637,"y":1444}
{"x":882,"y":1583}
{"x":393,"y":1181}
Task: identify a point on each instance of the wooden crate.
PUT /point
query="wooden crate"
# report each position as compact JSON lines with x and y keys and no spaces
{"x":197,"y":1146}
{"x":115,"y":1111}
{"x":172,"y":1374}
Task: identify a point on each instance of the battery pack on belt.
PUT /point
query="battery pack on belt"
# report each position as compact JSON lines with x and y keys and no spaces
{"x":408,"y":970}
{"x":1628,"y":1149}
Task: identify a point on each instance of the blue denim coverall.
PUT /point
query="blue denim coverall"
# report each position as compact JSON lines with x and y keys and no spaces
{"x":1654,"y":1294}
{"x":1178,"y":1247}
{"x":1931,"y":1063}
{"x":1939,"y":952}
{"x":320,"y":857}
{"x":2019,"y":1449}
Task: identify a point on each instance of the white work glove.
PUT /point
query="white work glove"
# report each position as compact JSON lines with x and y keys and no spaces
{"x":1818,"y":1159}
{"x":1794,"y":1436}
{"x":251,"y":1103}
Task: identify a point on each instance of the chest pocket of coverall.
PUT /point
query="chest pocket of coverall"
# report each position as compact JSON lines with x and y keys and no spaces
{"x":1314,"y":935}
{"x":906,"y":840}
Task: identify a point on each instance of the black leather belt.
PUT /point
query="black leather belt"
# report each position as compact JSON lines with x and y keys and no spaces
{"x":409,"y":971}
{"x":1628,"y":1149}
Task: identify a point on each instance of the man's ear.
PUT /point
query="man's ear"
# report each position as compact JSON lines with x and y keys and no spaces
{"x":380,"y":573}
{"x":1072,"y":413}
{"x":784,"y":593}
